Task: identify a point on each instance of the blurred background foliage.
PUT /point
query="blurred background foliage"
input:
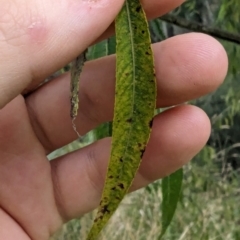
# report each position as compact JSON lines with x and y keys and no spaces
{"x":210,"y":200}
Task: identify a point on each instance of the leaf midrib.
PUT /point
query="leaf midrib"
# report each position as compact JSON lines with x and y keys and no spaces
{"x":134,"y":74}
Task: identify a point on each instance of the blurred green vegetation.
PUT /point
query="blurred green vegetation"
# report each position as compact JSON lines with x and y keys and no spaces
{"x":210,"y":199}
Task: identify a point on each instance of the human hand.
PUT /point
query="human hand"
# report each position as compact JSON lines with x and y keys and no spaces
{"x":38,"y":38}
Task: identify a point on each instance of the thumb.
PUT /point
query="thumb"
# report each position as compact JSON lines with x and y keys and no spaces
{"x":39,"y":37}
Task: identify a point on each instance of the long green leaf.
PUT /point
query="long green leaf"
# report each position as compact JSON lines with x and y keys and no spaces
{"x":101,"y":49}
{"x":171,"y":189}
{"x":156,"y":30}
{"x":135,"y":99}
{"x":102,"y":131}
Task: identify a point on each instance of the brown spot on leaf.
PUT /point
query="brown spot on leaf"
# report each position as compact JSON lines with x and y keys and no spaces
{"x":138,"y":9}
{"x":142,"y":151}
{"x":121,"y":185}
{"x":105,"y":209}
{"x":129,"y":120}
{"x":150,"y":123}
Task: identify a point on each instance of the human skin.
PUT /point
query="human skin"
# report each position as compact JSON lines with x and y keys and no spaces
{"x":39,"y":37}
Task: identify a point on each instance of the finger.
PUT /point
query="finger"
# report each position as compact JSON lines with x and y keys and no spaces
{"x":26,"y":191}
{"x":187,"y":67}
{"x":34,"y":44}
{"x":39,"y":37}
{"x":153,"y":9}
{"x":178,"y":135}
{"x":157,"y":8}
{"x":7,"y":223}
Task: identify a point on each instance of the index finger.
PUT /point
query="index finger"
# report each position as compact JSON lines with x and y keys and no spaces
{"x":39,"y":37}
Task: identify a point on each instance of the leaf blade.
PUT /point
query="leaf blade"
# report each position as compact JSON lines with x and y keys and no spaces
{"x":171,"y":190}
{"x":135,"y":100}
